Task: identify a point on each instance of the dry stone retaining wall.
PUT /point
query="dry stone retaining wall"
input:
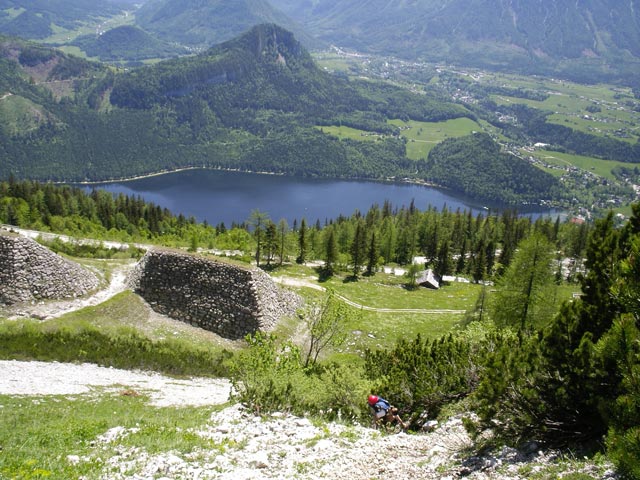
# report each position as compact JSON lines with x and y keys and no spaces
{"x":229,"y":300}
{"x":31,"y":272}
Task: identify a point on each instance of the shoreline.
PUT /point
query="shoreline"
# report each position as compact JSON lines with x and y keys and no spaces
{"x":405,"y":180}
{"x":388,"y":180}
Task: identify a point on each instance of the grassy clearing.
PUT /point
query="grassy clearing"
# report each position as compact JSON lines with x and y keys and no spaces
{"x":423,"y":136}
{"x":37,"y":434}
{"x":63,"y":35}
{"x":334,"y":62}
{"x":19,"y":115}
{"x":343,"y":132}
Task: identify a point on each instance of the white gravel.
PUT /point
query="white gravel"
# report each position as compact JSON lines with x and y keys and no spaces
{"x":43,"y":378}
{"x":279,"y":446}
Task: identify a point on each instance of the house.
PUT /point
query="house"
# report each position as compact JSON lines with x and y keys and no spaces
{"x":429,"y":279}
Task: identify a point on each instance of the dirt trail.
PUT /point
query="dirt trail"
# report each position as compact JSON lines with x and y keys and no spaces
{"x":296,"y":282}
{"x":46,"y":310}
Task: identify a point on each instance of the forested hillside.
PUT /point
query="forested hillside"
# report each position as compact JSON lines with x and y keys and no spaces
{"x":252,"y":103}
{"x":203,"y":24}
{"x":475,"y":166}
{"x":39,"y":19}
{"x":260,"y":103}
{"x":587,"y":40}
{"x":128,"y":44}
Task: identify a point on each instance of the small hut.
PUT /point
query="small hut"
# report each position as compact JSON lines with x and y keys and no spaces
{"x":429,"y":279}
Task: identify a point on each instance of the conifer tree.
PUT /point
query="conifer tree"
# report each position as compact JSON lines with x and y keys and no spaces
{"x":372,"y":255}
{"x":258,"y":220}
{"x":331,"y":253}
{"x":358,"y":248}
{"x":525,"y":296}
{"x":283,"y":227}
{"x":302,"y":243}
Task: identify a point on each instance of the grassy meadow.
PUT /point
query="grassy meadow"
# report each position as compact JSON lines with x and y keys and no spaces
{"x":596,"y":166}
{"x":421,"y":136}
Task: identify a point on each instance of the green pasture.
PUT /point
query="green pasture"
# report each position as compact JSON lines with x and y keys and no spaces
{"x":599,"y":124}
{"x":63,"y":35}
{"x":343,"y":132}
{"x":423,"y":136}
{"x":596,"y":166}
{"x":569,"y":101}
{"x":73,"y":50}
{"x":334,"y":62}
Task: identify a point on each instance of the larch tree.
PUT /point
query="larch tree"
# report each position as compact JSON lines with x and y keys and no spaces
{"x":258,"y":220}
{"x":526,"y":292}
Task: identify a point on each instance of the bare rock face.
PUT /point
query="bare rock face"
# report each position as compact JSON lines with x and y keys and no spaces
{"x":229,"y":300}
{"x":31,"y":272}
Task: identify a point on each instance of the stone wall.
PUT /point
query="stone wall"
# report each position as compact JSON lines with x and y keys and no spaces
{"x":31,"y":272}
{"x":229,"y":300}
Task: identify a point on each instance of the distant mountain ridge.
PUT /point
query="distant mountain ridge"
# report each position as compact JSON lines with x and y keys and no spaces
{"x":38,"y":19}
{"x":594,"y":36}
{"x":206,"y":23}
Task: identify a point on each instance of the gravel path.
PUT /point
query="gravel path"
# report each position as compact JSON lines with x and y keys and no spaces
{"x":43,"y":378}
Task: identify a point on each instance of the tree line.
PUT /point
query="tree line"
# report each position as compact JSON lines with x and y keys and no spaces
{"x":451,"y":241}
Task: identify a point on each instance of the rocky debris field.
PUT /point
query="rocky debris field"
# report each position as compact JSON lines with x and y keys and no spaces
{"x":279,"y":446}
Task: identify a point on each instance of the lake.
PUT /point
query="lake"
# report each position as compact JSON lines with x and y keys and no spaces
{"x":219,"y":196}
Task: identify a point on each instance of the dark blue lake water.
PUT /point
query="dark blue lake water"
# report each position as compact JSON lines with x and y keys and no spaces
{"x":228,"y":197}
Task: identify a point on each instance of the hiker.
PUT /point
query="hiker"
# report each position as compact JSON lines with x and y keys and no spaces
{"x":383,"y":411}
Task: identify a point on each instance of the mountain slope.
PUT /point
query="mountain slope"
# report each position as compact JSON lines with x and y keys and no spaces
{"x":204,"y":23}
{"x":257,"y":102}
{"x":126,"y":43}
{"x":534,"y":35}
{"x":252,"y":103}
{"x":38,"y":19}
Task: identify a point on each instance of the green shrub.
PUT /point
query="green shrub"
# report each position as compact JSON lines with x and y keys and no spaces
{"x":269,"y":376}
{"x":623,"y":448}
{"x":422,"y":376}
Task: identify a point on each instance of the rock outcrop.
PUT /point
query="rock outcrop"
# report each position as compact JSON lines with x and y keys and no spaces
{"x":31,"y":272}
{"x":229,"y":300}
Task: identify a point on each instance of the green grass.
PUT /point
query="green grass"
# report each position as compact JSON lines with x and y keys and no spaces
{"x":423,"y":136}
{"x":343,"y":132}
{"x":19,"y":115}
{"x":62,"y":35}
{"x":597,"y":166}
{"x":568,"y":103}
{"x":37,"y":434}
{"x":375,"y":329}
{"x":334,"y":62}
{"x":122,"y":332}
